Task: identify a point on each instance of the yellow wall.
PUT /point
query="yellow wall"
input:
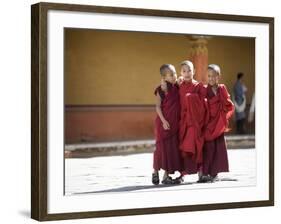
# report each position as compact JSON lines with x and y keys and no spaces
{"x":111,"y":67}
{"x":234,"y":55}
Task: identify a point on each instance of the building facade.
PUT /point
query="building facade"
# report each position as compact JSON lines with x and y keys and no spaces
{"x":110,"y":77}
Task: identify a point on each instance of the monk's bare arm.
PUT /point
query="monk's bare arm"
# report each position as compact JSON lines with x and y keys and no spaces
{"x":159,"y":112}
{"x":180,"y":80}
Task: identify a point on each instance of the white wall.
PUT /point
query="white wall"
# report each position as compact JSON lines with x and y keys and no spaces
{"x":15,"y":111}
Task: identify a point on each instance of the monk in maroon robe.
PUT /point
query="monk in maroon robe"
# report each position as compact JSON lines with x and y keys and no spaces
{"x":193,"y":115}
{"x":193,"y":118}
{"x":167,"y":155}
{"x":220,"y":109}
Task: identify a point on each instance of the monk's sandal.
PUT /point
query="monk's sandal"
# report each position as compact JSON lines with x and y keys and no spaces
{"x":155,"y":178}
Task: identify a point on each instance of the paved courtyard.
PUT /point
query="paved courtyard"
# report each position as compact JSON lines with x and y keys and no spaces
{"x":132,"y":173}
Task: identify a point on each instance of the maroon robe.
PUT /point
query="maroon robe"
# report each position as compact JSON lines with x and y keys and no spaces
{"x":220,"y":109}
{"x":167,"y":155}
{"x":193,"y":119}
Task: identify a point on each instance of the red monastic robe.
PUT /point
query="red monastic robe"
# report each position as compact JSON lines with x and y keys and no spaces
{"x":193,"y":119}
{"x":220,"y":110}
{"x":167,"y":155}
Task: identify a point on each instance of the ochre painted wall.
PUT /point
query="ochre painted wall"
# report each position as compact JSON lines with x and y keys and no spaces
{"x":117,"y":67}
{"x":234,"y":55}
{"x":98,"y":124}
{"x":107,"y":70}
{"x":111,"y":67}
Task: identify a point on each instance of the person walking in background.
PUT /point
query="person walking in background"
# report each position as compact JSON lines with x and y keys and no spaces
{"x":252,"y":110}
{"x":239,"y":100}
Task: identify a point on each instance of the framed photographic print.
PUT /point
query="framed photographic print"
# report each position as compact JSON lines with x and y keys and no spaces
{"x":140,"y":111}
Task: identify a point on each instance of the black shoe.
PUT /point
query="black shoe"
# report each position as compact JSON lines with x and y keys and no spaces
{"x":168,"y":180}
{"x":179,"y":180}
{"x":214,"y":178}
{"x":155,"y":178}
{"x":204,"y":179}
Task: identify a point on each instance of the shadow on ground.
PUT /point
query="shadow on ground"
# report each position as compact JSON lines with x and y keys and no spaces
{"x":145,"y":187}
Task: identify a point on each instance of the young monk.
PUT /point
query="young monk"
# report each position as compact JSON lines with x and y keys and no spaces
{"x":220,"y":109}
{"x":193,"y":118}
{"x":167,"y":154}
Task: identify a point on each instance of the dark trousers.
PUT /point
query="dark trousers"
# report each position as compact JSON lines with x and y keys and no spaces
{"x":240,"y":130}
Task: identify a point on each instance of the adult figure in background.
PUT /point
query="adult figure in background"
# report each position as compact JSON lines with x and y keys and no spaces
{"x":239,"y":100}
{"x":252,"y":110}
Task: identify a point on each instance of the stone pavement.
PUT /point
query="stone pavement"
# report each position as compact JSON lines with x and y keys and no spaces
{"x":132,"y":173}
{"x":87,"y":150}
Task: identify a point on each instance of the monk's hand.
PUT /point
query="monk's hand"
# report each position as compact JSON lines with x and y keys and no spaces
{"x":163,"y":85}
{"x":166,"y":125}
{"x":180,"y":80}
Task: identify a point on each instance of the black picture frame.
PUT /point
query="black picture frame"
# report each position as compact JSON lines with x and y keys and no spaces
{"x":39,"y":105}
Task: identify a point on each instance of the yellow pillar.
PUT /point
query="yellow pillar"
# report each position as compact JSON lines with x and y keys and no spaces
{"x":198,"y":54}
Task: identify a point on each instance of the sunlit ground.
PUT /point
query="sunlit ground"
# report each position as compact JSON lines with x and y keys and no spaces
{"x":132,"y":173}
